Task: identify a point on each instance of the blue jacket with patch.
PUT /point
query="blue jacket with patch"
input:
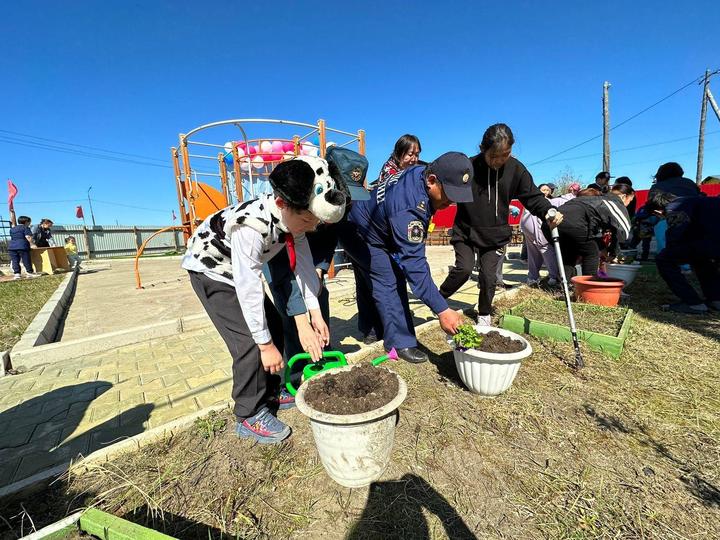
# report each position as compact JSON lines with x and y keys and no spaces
{"x":396,"y":219}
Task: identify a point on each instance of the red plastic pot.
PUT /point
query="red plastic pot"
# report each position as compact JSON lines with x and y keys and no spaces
{"x":598,"y":290}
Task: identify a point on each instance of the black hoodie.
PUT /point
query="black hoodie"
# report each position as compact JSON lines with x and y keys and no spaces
{"x":483,"y":223}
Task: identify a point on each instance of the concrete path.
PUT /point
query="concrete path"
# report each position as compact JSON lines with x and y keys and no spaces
{"x":106,"y":299}
{"x":49,"y":416}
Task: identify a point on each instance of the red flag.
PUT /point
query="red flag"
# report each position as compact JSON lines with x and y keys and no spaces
{"x":12,"y":192}
{"x":174,"y":216}
{"x":79,"y":212}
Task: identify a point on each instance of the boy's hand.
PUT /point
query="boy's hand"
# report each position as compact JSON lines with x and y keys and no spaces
{"x":271,"y":358}
{"x":320,"y":326}
{"x":309,"y":339}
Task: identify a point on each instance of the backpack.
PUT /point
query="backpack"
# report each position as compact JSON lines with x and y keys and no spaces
{"x":353,"y":169}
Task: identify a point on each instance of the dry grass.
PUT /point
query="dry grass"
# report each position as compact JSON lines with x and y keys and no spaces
{"x":19,"y":303}
{"x":623,"y":449}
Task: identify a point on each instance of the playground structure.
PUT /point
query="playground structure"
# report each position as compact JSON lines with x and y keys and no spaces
{"x":240,"y":166}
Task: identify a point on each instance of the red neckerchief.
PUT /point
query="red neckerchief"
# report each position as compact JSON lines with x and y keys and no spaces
{"x":290,"y":245}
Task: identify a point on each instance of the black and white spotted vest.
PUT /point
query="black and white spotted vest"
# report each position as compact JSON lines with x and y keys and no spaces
{"x":210,"y":243}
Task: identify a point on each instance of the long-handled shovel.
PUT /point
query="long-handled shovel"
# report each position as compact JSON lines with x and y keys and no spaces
{"x":579,"y":363}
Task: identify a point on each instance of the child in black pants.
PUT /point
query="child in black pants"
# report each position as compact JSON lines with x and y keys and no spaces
{"x":224,"y":259}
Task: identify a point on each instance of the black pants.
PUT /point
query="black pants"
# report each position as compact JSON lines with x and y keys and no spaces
{"x":703,"y":258}
{"x":487,"y":261}
{"x":252,"y":385}
{"x":576,"y":242}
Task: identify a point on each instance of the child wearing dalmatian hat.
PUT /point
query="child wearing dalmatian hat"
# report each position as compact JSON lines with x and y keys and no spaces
{"x":224,"y":258}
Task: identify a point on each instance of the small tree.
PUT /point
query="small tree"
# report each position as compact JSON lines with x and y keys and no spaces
{"x":564,"y":178}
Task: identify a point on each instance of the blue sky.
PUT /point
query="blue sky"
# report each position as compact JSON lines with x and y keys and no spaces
{"x":129,"y":77}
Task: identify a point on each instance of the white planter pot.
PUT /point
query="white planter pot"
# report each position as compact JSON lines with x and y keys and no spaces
{"x":489,"y":374}
{"x":626,"y":272}
{"x":354,"y":448}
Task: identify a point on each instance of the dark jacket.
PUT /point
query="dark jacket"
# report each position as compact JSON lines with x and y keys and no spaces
{"x":595,"y":215}
{"x":681,"y":187}
{"x":42,"y":236}
{"x":18,"y":237}
{"x":483,"y":223}
{"x":693,"y":227}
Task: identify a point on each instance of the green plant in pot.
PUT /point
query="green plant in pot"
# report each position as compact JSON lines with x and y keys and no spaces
{"x":487,"y":359}
{"x":467,"y":337}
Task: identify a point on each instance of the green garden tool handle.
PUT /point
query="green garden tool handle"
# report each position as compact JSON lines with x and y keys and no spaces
{"x":326,"y":355}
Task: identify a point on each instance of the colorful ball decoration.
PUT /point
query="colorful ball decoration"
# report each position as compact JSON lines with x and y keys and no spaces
{"x":288,"y":146}
{"x":258,"y":162}
{"x":266,"y":147}
{"x":254,"y":149}
{"x":245,"y":165}
{"x":277,"y":147}
{"x":289,"y":155}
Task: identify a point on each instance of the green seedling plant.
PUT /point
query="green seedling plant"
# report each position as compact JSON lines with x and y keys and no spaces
{"x":467,"y":337}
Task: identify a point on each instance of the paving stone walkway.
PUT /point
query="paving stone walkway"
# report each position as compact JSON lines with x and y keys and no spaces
{"x":50,"y":415}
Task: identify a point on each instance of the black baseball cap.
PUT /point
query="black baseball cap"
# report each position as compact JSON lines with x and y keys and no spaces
{"x":455,"y":173}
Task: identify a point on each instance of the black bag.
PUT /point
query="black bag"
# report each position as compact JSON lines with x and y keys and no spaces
{"x":353,"y":169}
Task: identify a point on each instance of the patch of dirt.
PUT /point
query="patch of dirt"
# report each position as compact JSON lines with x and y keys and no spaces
{"x":495,"y":342}
{"x":362,"y":389}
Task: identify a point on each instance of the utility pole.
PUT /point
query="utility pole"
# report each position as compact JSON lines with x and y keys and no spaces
{"x":701,"y":136}
{"x":606,"y":127}
{"x":92,"y":215}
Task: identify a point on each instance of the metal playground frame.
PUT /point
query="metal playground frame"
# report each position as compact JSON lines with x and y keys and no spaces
{"x":242,"y":164}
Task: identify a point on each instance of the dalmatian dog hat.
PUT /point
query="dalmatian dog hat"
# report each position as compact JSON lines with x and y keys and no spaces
{"x":310,"y":183}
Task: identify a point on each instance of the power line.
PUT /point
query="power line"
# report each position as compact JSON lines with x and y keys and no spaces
{"x":629,"y":148}
{"x":82,"y":199}
{"x":80,"y":145}
{"x":54,"y":148}
{"x":129,"y":206}
{"x":30,"y":144}
{"x":694,"y":81}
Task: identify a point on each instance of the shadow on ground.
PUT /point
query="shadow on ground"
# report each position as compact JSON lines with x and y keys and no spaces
{"x":38,"y":435}
{"x":707,"y":493}
{"x":173,"y":525}
{"x":394,"y":509}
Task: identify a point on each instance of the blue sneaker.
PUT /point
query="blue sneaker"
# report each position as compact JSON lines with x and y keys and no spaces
{"x":264,"y":427}
{"x":286,"y":400}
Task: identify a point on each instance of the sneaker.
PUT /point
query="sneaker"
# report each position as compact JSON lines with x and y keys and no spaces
{"x":682,"y":307}
{"x":17,"y":276}
{"x":33,"y":275}
{"x":285,"y":400}
{"x":484,"y":320}
{"x":264,"y":428}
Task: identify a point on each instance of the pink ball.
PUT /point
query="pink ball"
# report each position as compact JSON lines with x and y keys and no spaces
{"x":277,"y":147}
{"x":241,"y":144}
{"x":288,"y":147}
{"x":254,"y":149}
{"x":258,"y":162}
{"x":266,"y":147}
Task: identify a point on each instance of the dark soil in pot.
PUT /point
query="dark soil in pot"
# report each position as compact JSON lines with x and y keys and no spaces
{"x":495,"y":342}
{"x":362,"y":389}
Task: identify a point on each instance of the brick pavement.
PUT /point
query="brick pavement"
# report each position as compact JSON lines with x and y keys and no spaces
{"x":50,"y":415}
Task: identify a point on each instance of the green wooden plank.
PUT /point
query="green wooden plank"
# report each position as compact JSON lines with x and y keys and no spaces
{"x":610,"y":345}
{"x":108,"y":527}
